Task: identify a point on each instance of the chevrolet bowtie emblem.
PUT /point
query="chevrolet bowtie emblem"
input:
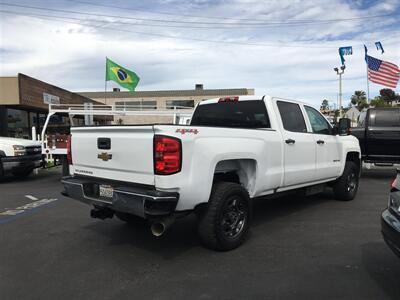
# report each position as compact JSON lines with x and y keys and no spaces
{"x":104,"y":156}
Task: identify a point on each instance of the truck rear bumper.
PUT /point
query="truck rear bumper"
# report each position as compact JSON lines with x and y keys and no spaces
{"x":142,"y":202}
{"x":17,"y":163}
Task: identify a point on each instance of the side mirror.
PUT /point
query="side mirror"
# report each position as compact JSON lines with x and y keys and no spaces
{"x":344,"y":126}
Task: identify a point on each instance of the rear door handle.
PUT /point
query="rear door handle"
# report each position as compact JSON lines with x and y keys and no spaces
{"x":320,"y":142}
{"x":290,"y":141}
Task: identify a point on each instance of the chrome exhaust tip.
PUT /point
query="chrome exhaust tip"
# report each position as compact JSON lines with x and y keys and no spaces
{"x":158,"y":228}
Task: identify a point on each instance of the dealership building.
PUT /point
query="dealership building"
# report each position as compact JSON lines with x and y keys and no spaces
{"x":23,"y":105}
{"x":179,"y":100}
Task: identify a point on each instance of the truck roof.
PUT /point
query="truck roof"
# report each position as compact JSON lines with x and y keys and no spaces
{"x":250,"y":98}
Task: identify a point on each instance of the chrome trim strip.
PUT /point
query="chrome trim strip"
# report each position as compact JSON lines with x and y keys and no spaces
{"x":118,"y":191}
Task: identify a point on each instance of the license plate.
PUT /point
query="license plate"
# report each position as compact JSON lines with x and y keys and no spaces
{"x":106,"y":191}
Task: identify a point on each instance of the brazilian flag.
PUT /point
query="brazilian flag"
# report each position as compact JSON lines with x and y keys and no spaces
{"x":120,"y":75}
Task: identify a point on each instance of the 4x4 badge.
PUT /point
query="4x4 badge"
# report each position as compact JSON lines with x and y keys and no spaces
{"x":104,"y":156}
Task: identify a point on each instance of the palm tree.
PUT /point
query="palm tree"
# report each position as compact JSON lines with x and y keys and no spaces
{"x":359,"y":99}
{"x":359,"y":96}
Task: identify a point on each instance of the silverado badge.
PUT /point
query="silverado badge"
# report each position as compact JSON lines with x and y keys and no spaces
{"x":104,"y":156}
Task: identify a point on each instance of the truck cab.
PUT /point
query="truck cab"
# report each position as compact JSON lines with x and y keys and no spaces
{"x":378,"y":131}
{"x":19,"y":156}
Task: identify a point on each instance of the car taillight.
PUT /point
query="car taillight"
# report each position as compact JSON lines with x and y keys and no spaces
{"x":69,"y":154}
{"x":229,"y":99}
{"x":394,"y":186}
{"x":167,"y":155}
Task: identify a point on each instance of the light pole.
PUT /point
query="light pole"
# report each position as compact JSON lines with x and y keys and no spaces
{"x":340,"y":72}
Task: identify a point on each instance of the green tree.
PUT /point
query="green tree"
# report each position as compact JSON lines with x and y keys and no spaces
{"x":359,"y":99}
{"x":388,"y":95}
{"x":325,"y":105}
{"x":378,"y":102}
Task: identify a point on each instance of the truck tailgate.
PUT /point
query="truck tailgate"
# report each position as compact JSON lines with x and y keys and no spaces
{"x":129,"y":157}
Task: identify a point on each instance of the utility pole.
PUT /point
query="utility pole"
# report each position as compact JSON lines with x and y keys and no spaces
{"x":340,"y":72}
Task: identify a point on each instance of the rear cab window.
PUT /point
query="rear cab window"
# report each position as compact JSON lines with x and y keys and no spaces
{"x":292,"y":117}
{"x":250,"y":114}
{"x":387,"y":118}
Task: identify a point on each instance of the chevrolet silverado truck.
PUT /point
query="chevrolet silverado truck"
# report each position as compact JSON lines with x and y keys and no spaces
{"x":19,"y":156}
{"x":378,"y":130}
{"x":235,"y":149}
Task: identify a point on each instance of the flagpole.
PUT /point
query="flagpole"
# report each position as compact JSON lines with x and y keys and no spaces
{"x":367,"y":82}
{"x":105,"y":85}
{"x":105,"y":92}
{"x":366,"y":68}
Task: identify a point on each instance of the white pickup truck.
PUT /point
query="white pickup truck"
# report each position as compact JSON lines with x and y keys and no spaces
{"x":234,"y":149}
{"x":19,"y":156}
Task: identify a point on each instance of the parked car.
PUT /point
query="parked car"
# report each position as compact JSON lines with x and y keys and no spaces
{"x":390,"y":219}
{"x":378,"y":131}
{"x":235,"y":149}
{"x":19,"y":156}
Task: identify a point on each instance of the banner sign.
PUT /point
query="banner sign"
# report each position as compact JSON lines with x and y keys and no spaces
{"x":50,"y":99}
{"x":345,"y":51}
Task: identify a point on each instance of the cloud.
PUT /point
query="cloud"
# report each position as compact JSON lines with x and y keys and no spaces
{"x":73,"y":55}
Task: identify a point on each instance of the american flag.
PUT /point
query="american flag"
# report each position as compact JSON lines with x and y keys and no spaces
{"x":382,"y":72}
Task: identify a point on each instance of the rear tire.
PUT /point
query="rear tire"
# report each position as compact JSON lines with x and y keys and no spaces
{"x":225,"y":222}
{"x":346,"y":186}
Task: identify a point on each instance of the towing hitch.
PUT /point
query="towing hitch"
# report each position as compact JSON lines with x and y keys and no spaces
{"x":101,"y":213}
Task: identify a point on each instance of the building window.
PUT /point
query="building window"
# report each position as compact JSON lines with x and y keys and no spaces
{"x":120,"y":105}
{"x":136,"y":105}
{"x":180,"y":104}
{"x":18,"y":124}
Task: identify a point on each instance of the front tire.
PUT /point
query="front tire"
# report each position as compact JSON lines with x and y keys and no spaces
{"x":346,"y":186}
{"x":225,"y":222}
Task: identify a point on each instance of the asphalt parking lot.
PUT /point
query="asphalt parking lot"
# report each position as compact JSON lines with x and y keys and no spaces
{"x":299,"y":248}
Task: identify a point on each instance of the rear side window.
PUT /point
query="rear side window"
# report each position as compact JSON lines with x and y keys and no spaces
{"x":292,"y":117}
{"x":387,"y":118}
{"x":237,"y":114}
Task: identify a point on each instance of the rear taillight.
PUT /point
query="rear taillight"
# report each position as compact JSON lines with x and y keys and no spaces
{"x":394,"y":186}
{"x":167,"y":155}
{"x":229,"y":99}
{"x":69,"y":154}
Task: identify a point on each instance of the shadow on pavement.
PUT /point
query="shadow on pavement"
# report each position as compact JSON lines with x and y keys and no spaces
{"x":43,"y":173}
{"x":383,"y":267}
{"x":383,"y":173}
{"x":179,"y":238}
{"x":266,"y":210}
{"x":182,"y":235}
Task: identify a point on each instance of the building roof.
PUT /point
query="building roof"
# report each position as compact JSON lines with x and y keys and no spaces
{"x":170,"y":93}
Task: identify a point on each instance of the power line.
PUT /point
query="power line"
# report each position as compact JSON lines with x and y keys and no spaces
{"x":283,"y":45}
{"x":316,"y":22}
{"x":158,"y":12}
{"x":143,"y":24}
{"x":225,"y":18}
{"x":151,"y":25}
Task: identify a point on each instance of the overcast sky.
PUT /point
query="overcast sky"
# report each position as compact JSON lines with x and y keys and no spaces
{"x":222,"y":44}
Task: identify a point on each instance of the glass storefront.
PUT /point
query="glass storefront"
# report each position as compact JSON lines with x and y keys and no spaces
{"x":18,"y":124}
